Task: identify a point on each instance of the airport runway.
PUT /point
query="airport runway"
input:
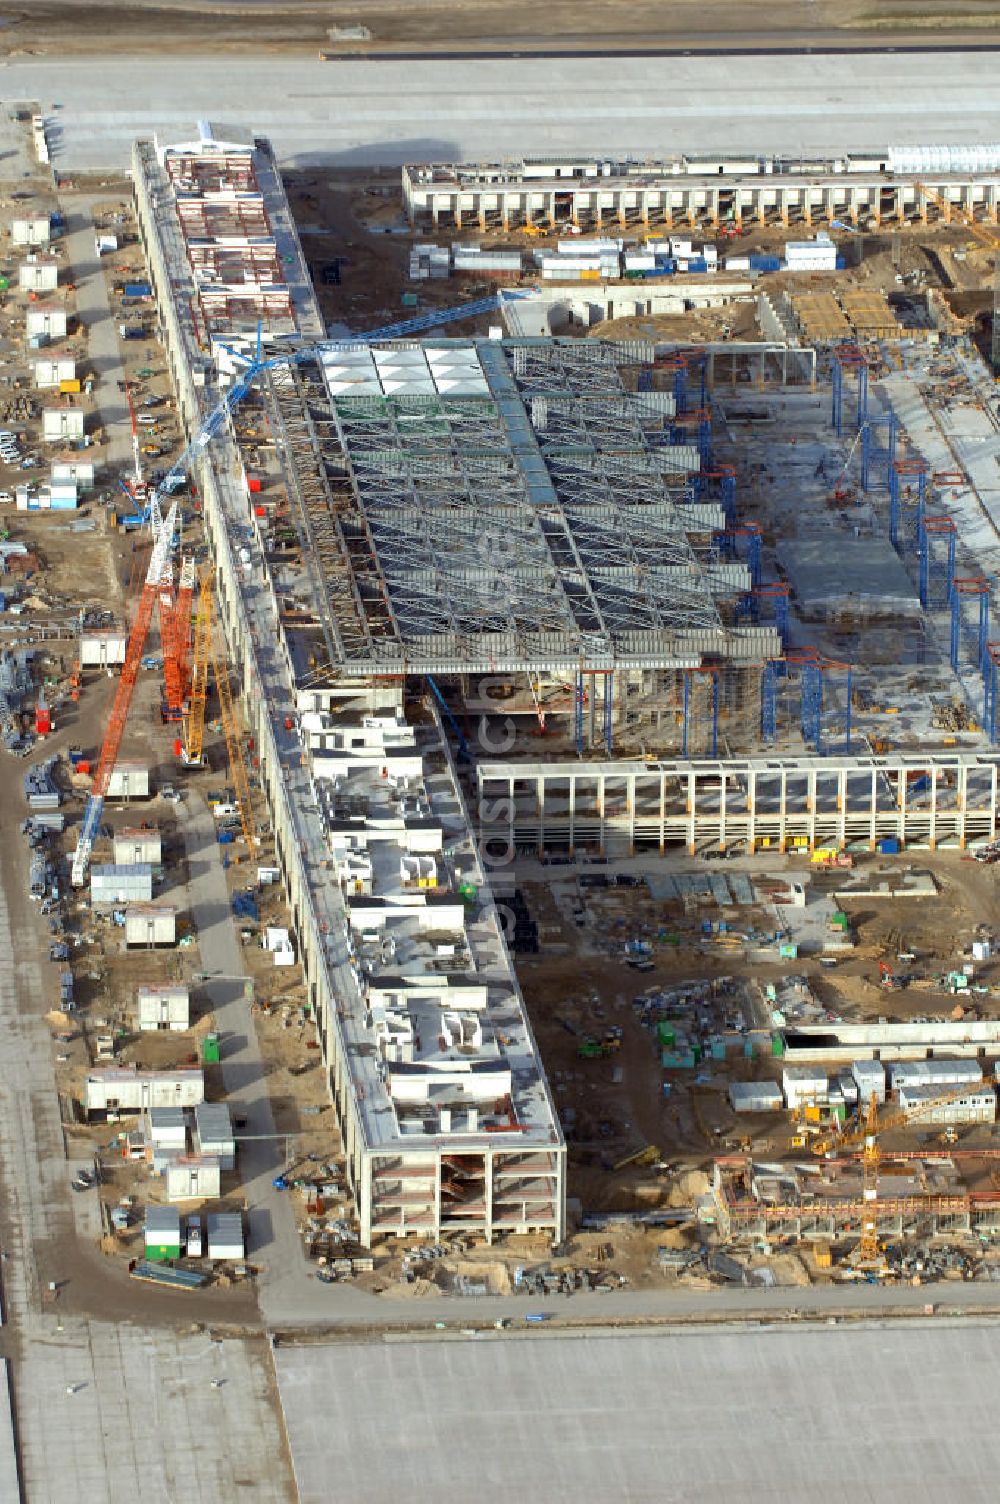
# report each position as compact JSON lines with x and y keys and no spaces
{"x":379,"y":112}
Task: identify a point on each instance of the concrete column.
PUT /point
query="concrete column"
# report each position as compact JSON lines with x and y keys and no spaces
{"x":842,"y":808}
{"x":365,"y":1201}
{"x":783,"y":810}
{"x":630,"y":801}
{"x":962,"y":802}
{"x":457,"y":202}
{"x":901,"y":808}
{"x":713,"y":208}
{"x":723,"y":792}
{"x":932,"y":837}
{"x":488,"y":1167}
{"x":600,"y":813}
{"x":663,"y":812}
{"x":783,"y":204}
{"x":994,"y":771}
{"x":572,"y":813}
{"x":437,"y":1195}
{"x":540,"y":807}
{"x":644,"y":207}
{"x":873,"y":810}
{"x":620,"y":202}
{"x":482,"y":214}
{"x":811,"y":779}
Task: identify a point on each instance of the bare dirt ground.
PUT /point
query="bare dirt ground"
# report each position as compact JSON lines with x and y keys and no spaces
{"x":419,"y":26}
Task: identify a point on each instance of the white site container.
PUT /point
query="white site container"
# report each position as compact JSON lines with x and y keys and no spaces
{"x":941,"y":1074}
{"x":47,"y":318}
{"x":119,"y":1090}
{"x":162,"y":1008}
{"x":979,"y":1105}
{"x":102,"y":649}
{"x":113,"y":886}
{"x":59,"y":423}
{"x":225,"y":1236}
{"x":129,"y":780}
{"x":213,"y":1132}
{"x":803,"y":1084}
{"x":138,"y":843}
{"x":148,"y":924}
{"x":50,"y":370}
{"x":38,"y":276}
{"x":35,"y":230}
{"x":194,"y":1177}
{"x":81,"y":471}
{"x":754,"y":1096}
{"x":166,"y":1128}
{"x":870,"y":1077}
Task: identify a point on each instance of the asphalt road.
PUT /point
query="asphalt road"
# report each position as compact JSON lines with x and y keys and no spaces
{"x":360,"y":113}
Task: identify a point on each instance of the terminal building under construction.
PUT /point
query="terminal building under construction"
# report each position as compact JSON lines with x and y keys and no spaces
{"x":423,"y":545}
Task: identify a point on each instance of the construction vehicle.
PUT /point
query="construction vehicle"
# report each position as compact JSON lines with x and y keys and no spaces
{"x":649,"y":1155}
{"x":867,"y":1256}
{"x":592,"y":1048}
{"x":887,"y":978}
{"x":157,"y":573}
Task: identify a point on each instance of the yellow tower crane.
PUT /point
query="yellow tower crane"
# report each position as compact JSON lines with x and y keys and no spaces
{"x":866,"y":1132}
{"x":193,"y":723}
{"x":237,"y":762}
{"x":988,"y":236}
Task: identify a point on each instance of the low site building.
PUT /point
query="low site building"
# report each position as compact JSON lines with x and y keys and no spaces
{"x":112,"y":885}
{"x":138,"y":843}
{"x":755,"y":1096}
{"x":938,"y":1075}
{"x":162,"y":1008}
{"x":150,"y":924}
{"x":102,"y":649}
{"x":978,"y":1105}
{"x":194,"y":1177}
{"x":162,"y":1233}
{"x":129,"y":780}
{"x":225,"y":1236}
{"x":213,"y":1132}
{"x":118,"y":1090}
{"x":804,"y":1085}
{"x":166,"y":1128}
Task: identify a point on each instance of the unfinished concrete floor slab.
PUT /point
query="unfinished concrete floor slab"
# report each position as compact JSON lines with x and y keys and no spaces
{"x":765,"y":1416}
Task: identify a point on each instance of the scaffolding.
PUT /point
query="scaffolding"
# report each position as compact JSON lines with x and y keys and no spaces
{"x":878,"y":451}
{"x":545,"y":523}
{"x":907,"y":488}
{"x":974,"y":588}
{"x":937,"y":559}
{"x":848,"y":361}
{"x":817,"y":677}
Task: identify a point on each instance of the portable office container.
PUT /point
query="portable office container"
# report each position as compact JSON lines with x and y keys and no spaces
{"x":193,"y":1177}
{"x":225,"y":1236}
{"x":112,"y":886}
{"x":162,"y":1233}
{"x":103,"y":649}
{"x":136,"y":843}
{"x":213,"y":1132}
{"x":150,"y":924}
{"x":167,"y":1128}
{"x":163,"y":1008}
{"x":129,"y":780}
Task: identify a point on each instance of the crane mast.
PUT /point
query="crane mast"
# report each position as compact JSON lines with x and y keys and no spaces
{"x":159,"y":567}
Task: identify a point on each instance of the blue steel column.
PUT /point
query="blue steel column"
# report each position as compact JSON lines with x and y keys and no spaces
{"x":579,"y":714}
{"x":769,"y":703}
{"x":687,"y":697}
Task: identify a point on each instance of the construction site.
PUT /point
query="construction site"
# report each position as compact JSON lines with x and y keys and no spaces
{"x":587,"y":732}
{"x":508,"y":603}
